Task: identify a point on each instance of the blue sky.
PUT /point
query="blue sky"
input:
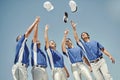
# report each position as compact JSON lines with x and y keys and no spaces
{"x":100,"y":18}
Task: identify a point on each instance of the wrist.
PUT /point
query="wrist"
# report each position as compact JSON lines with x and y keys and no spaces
{"x":46,"y":30}
{"x":65,"y":36}
{"x":74,"y":29}
{"x":110,"y":57}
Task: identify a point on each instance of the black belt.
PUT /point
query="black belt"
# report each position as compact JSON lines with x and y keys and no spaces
{"x":98,"y":59}
{"x":24,"y":65}
{"x":39,"y":66}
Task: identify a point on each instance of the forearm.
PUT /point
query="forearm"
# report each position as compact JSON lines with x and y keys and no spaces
{"x":35,"y":37}
{"x":106,"y":53}
{"x":46,"y":39}
{"x":46,"y":36}
{"x":76,"y":35}
{"x":109,"y":55}
{"x":86,"y":61}
{"x":74,"y":31}
{"x":63,"y":44}
{"x":67,"y":73}
{"x":29,"y":30}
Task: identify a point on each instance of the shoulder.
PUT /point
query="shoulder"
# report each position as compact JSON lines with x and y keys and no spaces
{"x":48,"y":49}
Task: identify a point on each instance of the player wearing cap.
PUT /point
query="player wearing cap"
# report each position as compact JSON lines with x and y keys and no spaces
{"x":21,"y":61}
{"x":95,"y":53}
{"x":38,"y":59}
{"x":76,"y":57}
{"x":55,"y":58}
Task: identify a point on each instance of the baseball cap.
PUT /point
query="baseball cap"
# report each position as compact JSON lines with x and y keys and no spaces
{"x":73,"y":5}
{"x":65,"y":17}
{"x":48,"y":6}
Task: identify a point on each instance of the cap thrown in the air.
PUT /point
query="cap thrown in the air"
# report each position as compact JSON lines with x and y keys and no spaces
{"x":73,"y":5}
{"x":65,"y":17}
{"x":48,"y":6}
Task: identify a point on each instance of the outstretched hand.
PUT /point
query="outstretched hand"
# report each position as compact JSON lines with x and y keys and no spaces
{"x":66,"y":32}
{"x":112,"y":59}
{"x":73,"y":25}
{"x":46,"y":27}
{"x":37,"y":19}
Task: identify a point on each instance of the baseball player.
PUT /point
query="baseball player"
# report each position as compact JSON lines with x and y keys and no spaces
{"x":76,"y":57}
{"x":55,"y":58}
{"x":95,"y":53}
{"x":21,"y":61}
{"x":38,"y":59}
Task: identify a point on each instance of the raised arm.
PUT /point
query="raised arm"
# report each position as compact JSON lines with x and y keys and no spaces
{"x":35,"y":36}
{"x":108,"y":54}
{"x":76,"y":35}
{"x":64,"y":41}
{"x":74,"y":31}
{"x":29,"y":30}
{"x":46,"y":37}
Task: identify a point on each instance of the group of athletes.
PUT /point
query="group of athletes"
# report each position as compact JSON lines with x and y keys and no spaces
{"x":85,"y":57}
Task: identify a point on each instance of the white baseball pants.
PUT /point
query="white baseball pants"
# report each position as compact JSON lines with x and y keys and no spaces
{"x":78,"y":69}
{"x":39,"y":73}
{"x":100,"y":70}
{"x":59,"y":74}
{"x":19,"y":72}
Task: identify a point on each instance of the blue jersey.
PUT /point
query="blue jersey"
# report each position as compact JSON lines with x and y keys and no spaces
{"x":55,"y":58}
{"x":75,"y":54}
{"x":93,"y":49}
{"x":22,"y":52}
{"x":38,"y":56}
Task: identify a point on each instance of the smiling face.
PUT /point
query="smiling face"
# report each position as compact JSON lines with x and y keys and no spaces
{"x":85,"y":36}
{"x":68,"y":43}
{"x":52,"y":44}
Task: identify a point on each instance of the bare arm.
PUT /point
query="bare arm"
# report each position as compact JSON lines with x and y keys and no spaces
{"x":46,"y":37}
{"x":64,"y":40}
{"x":67,"y":73}
{"x":35,"y":37}
{"x":31,"y":27}
{"x":108,"y":54}
{"x":74,"y":31}
{"x":87,"y":62}
{"x":76,"y":35}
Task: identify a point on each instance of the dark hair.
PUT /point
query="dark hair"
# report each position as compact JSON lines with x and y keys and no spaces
{"x":17,"y":38}
{"x":68,"y":39}
{"x":85,"y":33}
{"x":53,"y":41}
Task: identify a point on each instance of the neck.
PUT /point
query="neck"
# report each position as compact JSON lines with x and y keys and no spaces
{"x":54,"y":48}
